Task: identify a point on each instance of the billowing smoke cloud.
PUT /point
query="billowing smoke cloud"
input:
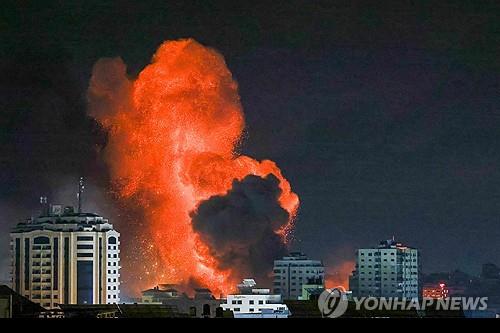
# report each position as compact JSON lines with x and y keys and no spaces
{"x":173,"y":138}
{"x":240,"y":227}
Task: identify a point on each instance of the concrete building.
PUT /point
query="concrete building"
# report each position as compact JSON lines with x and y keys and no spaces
{"x":203,"y":304}
{"x":252,"y":302}
{"x":389,"y":270}
{"x":66,"y":257}
{"x":312,"y":290}
{"x":295,"y":270}
{"x":13,"y":305}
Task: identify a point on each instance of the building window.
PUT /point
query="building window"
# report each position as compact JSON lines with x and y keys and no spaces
{"x":250,"y":302}
{"x":41,"y":240}
{"x":84,"y":255}
{"x":66,"y":270}
{"x":56,"y":263}
{"x":84,"y":246}
{"x":18,"y":264}
{"x":85,"y":238}
{"x":84,"y":282}
{"x":27,"y":261}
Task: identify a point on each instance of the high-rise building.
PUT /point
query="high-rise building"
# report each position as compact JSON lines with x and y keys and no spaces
{"x":66,"y":257}
{"x":389,"y":270}
{"x":293,"y":271}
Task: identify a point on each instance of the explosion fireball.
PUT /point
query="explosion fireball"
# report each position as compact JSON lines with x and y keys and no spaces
{"x":173,"y":134}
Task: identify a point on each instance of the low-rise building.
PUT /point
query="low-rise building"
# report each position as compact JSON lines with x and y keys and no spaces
{"x":203,"y":304}
{"x":253,"y":302}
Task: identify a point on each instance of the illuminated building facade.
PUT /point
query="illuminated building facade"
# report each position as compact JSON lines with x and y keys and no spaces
{"x":295,"y":270}
{"x":389,"y":270}
{"x":253,"y":302}
{"x":66,"y":257}
{"x":439,"y":291}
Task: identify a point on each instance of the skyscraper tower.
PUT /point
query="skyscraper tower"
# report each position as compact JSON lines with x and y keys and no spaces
{"x":66,"y":257}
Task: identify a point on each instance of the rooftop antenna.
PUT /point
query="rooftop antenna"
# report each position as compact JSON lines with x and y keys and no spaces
{"x":43,"y":203}
{"x":79,"y":194}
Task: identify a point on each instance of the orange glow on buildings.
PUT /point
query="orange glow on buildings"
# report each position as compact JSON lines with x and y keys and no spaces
{"x":438,"y":291}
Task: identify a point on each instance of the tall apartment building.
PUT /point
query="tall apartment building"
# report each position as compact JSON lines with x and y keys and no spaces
{"x":389,"y":270}
{"x":66,"y":257}
{"x":294,"y":271}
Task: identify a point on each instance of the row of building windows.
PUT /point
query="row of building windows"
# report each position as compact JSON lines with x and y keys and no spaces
{"x":252,"y":302}
{"x":300,"y":265}
{"x":371,"y":254}
{"x":391,"y":267}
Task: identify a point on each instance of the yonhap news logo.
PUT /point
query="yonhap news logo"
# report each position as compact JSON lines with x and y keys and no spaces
{"x":333,"y":303}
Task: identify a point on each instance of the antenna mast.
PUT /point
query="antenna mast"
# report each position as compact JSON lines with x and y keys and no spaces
{"x":43,"y":203}
{"x":79,"y":194}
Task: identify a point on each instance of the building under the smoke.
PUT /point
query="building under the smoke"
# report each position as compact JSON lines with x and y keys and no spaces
{"x":253,"y":302}
{"x":292,"y":272}
{"x":389,"y":270}
{"x":202,"y":305}
{"x":65,"y":256}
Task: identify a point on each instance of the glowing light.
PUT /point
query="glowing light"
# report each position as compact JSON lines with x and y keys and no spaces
{"x":173,"y":134}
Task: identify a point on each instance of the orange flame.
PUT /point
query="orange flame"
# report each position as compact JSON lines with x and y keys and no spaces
{"x":173,"y":135}
{"x":338,"y":275}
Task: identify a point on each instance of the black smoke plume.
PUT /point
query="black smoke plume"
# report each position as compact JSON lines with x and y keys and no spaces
{"x":240,"y":227}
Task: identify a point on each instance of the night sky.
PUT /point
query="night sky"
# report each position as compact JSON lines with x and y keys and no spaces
{"x":386,"y":121}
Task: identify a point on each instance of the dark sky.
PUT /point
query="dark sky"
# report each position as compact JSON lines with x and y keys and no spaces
{"x":386,"y":121}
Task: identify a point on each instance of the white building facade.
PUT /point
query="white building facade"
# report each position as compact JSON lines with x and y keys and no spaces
{"x":390,"y":270}
{"x":295,"y":270}
{"x":255,"y":302}
{"x":63,"y":257}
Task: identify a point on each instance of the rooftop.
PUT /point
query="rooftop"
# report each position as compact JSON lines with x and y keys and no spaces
{"x":57,"y":218}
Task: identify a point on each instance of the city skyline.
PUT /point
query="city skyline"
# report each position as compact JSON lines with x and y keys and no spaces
{"x":373,"y":122}
{"x":326,"y":279}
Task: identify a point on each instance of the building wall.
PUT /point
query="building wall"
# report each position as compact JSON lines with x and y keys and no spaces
{"x":386,"y":272}
{"x":291,"y":273}
{"x":6,"y":306}
{"x":254,"y":303}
